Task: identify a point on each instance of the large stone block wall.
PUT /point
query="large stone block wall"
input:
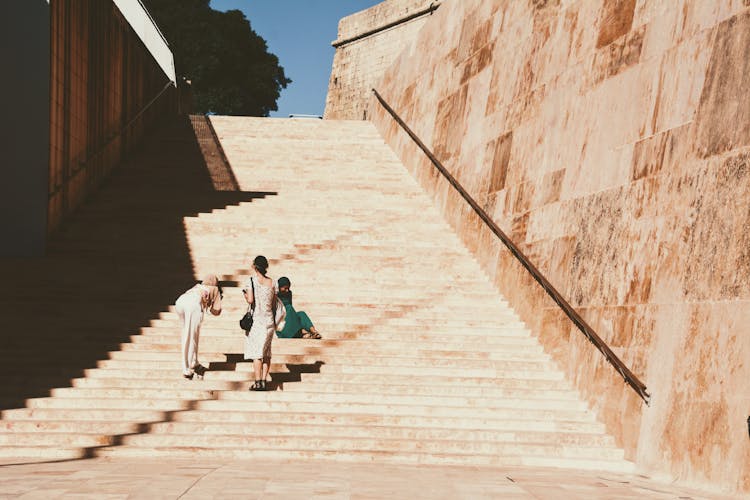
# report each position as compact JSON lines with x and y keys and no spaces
{"x":611,"y":140}
{"x":359,"y":64}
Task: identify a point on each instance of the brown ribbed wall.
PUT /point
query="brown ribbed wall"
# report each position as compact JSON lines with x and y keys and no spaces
{"x":101,"y":77}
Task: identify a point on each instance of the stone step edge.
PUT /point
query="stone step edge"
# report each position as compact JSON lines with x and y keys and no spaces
{"x":514,"y":426}
{"x":299,"y":396}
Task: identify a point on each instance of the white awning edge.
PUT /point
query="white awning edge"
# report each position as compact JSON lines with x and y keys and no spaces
{"x":147,"y":30}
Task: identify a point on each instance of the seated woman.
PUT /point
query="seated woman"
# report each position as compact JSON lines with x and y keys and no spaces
{"x":298,"y":324}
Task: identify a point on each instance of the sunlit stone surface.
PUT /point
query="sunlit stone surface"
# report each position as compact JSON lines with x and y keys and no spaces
{"x":610,"y":141}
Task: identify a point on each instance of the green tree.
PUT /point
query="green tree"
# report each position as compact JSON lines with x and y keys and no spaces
{"x":228,"y":63}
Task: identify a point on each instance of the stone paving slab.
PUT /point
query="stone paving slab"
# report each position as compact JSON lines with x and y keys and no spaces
{"x":170,"y":479}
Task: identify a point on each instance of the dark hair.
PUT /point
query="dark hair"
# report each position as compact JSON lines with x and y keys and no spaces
{"x":261,"y":264}
{"x":284,"y":281}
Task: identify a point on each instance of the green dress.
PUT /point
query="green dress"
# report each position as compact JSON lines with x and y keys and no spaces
{"x":295,"y":321}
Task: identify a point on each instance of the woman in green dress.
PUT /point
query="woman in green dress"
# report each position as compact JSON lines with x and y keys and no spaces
{"x":298,"y":323}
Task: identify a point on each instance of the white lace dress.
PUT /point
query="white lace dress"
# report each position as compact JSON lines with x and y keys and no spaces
{"x":258,"y":340}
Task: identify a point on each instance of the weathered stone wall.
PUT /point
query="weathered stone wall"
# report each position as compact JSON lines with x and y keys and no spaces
{"x":359,"y":64}
{"x":611,"y":140}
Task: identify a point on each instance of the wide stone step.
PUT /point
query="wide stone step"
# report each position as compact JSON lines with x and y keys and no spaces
{"x":260,"y":405}
{"x":376,"y":397}
{"x":85,"y":415}
{"x":516,"y":432}
{"x":54,"y":439}
{"x":435,"y":388}
{"x":349,"y":221}
{"x":138,"y":394}
{"x":532,"y":388}
{"x":373,"y":336}
{"x":214,"y":349}
{"x":105,"y":421}
{"x":70,"y":426}
{"x":378,"y":331}
{"x":375,"y":305}
{"x":362,"y":443}
{"x":171,"y":404}
{"x":220,"y":359}
{"x":506,"y":379}
{"x":42,"y":452}
{"x":299,"y":422}
{"x":358,"y":419}
{"x":373,"y":397}
{"x":503,"y":369}
{"x":279,"y":372}
{"x":184,"y":388}
{"x":235,"y":307}
{"x":359,"y":343}
{"x":459,"y":321}
{"x":368,"y":456}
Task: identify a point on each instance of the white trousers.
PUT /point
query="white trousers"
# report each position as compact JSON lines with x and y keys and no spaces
{"x":189,"y":310}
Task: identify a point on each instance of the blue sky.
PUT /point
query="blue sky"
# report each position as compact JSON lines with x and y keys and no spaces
{"x":300,"y":33}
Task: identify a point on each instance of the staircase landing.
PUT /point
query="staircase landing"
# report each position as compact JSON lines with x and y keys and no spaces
{"x":199,"y":479}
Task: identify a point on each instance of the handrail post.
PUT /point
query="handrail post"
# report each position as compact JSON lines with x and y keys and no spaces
{"x":630,"y":378}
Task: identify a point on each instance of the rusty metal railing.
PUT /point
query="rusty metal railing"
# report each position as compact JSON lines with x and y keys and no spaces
{"x":629,"y":377}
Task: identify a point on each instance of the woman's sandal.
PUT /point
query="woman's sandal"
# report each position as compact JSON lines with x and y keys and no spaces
{"x":310,"y":335}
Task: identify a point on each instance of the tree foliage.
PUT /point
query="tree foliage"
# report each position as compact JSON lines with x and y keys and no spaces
{"x":228,"y":63}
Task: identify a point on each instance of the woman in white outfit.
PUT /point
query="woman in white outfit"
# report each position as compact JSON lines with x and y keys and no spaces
{"x":190,"y":306}
{"x":260,"y":293}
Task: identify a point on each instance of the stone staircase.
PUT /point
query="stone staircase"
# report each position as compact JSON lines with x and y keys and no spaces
{"x":421,"y":362}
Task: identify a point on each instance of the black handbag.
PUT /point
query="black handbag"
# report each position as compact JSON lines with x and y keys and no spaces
{"x":246,"y":323}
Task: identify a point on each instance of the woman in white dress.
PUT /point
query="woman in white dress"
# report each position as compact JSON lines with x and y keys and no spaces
{"x":190,"y":307}
{"x":260,"y":293}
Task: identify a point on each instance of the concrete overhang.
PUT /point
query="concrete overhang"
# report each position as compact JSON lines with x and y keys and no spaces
{"x":143,"y":24}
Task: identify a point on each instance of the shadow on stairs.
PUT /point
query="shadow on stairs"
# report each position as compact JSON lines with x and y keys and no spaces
{"x":119,"y":261}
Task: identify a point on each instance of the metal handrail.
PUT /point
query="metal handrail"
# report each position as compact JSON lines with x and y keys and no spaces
{"x":576,"y":318}
{"x":428,"y":10}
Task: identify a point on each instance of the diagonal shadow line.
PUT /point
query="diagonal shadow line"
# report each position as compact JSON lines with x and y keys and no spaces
{"x":297,"y":250}
{"x":145,"y":427}
{"x":192,"y":404}
{"x":121,"y":253}
{"x":142,"y":428}
{"x":399,"y":311}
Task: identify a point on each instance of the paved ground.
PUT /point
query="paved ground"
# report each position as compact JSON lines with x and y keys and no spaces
{"x":116,"y":478}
